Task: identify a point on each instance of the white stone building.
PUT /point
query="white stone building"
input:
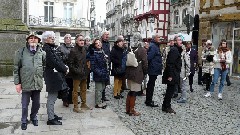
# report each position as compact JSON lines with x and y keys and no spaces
{"x":179,"y":9}
{"x":113,"y":16}
{"x":61,"y":16}
{"x":152,"y":16}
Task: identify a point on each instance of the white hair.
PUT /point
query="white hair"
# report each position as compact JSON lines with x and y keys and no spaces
{"x":137,"y":37}
{"x":87,"y":38}
{"x":47,"y":34}
{"x":67,"y":35}
{"x":154,"y":35}
{"x":105,"y":32}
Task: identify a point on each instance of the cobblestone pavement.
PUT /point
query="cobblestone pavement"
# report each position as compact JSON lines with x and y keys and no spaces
{"x":199,"y":116}
{"x":91,"y":122}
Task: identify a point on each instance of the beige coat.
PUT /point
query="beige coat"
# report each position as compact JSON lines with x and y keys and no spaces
{"x":208,"y":67}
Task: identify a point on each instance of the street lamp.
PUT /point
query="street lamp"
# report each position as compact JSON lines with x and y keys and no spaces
{"x":151,"y":19}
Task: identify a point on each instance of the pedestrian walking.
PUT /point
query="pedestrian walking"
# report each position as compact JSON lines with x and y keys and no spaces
{"x":222,"y":60}
{"x":54,"y":76}
{"x":28,"y":77}
{"x":154,"y":57}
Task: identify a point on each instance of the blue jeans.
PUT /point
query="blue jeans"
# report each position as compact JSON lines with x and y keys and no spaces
{"x":218,"y":72}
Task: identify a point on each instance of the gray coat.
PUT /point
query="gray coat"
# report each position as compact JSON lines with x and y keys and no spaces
{"x":28,"y":68}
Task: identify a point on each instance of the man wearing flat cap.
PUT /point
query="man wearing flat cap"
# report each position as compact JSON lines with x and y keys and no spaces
{"x":28,"y":77}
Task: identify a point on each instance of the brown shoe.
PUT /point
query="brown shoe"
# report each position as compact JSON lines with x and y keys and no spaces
{"x":134,"y":113}
{"x":65,"y":104}
{"x":77,"y":110}
{"x":85,"y":107}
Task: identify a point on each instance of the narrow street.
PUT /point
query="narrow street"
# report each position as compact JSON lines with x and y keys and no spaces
{"x":199,"y":116}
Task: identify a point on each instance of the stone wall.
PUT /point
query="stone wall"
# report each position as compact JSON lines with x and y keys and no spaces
{"x":11,"y":39}
{"x":9,"y":43}
{"x":11,"y":9}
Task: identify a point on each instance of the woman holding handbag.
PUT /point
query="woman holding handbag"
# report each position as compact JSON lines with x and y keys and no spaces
{"x":135,"y":76}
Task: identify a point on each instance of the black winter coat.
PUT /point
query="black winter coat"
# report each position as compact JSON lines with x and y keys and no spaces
{"x":54,"y":73}
{"x":173,"y":66}
{"x":118,"y":59}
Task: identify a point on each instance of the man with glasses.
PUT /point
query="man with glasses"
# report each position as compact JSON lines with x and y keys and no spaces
{"x":64,"y":49}
{"x":79,"y":70}
{"x":28,"y":67}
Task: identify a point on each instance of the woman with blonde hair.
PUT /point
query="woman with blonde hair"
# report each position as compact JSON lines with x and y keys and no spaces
{"x":222,"y":60}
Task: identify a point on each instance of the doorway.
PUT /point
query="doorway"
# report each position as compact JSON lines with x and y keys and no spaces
{"x":235,"y":68}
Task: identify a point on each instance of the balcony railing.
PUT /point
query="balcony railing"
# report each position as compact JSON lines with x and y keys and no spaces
{"x":56,"y":22}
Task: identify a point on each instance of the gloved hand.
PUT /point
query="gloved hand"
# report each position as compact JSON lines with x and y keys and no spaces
{"x":209,"y":58}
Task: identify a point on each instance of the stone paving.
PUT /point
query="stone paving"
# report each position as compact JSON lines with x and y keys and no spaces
{"x":199,"y":116}
{"x":93,"y":122}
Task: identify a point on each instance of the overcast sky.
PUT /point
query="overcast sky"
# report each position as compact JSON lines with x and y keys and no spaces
{"x":100,"y":10}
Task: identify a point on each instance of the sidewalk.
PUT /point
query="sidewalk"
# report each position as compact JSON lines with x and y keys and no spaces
{"x":93,"y":122}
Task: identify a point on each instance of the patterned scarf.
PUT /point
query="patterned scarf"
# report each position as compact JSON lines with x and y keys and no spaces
{"x":222,"y":54}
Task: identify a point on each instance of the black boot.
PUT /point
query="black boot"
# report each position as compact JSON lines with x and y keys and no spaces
{"x":191,"y":89}
{"x":104,"y":96}
{"x":54,"y":122}
{"x":228,"y":80}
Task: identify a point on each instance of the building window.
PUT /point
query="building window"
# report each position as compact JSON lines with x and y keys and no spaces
{"x":68,"y":10}
{"x":176,"y":17}
{"x":48,"y":11}
{"x":184,"y":13}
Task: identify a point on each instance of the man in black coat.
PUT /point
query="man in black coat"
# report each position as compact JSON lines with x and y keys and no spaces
{"x":171,"y":75}
{"x":53,"y":75}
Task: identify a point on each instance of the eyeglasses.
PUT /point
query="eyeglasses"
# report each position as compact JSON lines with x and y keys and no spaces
{"x":81,"y":40}
{"x":67,"y":37}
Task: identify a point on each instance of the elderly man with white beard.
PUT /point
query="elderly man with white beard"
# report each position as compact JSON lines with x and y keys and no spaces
{"x":28,"y":77}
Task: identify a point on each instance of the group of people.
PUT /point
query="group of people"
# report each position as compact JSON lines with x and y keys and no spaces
{"x":66,"y":71}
